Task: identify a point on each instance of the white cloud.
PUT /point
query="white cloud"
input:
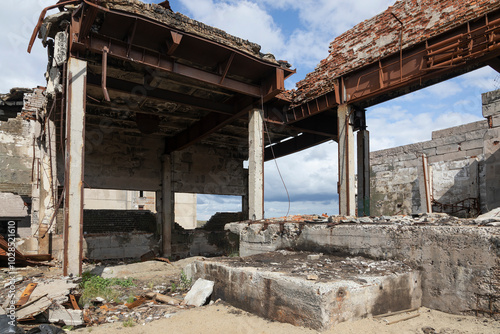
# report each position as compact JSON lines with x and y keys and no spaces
{"x":17,"y":21}
{"x":244,"y":19}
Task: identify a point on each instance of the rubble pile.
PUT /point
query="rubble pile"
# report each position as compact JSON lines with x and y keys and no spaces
{"x":491,"y":218}
{"x":43,"y":295}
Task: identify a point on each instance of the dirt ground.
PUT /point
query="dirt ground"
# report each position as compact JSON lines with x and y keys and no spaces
{"x":220,"y":318}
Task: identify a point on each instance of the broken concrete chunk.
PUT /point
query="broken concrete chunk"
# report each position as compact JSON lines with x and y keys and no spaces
{"x":312,"y":277}
{"x":199,"y":293}
{"x":313,"y":257}
{"x":33,"y":309}
{"x":68,"y":316}
{"x":489,"y":217}
{"x":57,"y":290}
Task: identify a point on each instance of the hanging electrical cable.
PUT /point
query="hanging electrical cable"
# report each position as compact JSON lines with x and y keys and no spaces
{"x":274,"y":157}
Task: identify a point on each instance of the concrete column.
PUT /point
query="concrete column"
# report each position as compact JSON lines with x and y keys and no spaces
{"x":256,"y":165}
{"x":48,"y":177}
{"x":73,"y":178}
{"x":363,"y":173}
{"x":346,"y":189}
{"x":167,"y":205}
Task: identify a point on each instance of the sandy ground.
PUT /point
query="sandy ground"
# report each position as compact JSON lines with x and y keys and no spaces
{"x":220,"y":318}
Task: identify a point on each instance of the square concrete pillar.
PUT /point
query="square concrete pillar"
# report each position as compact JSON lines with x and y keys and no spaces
{"x":256,"y":165}
{"x":74,"y":167}
{"x":167,"y":205}
{"x":363,"y":142}
{"x":346,"y":189}
{"x":48,"y":184}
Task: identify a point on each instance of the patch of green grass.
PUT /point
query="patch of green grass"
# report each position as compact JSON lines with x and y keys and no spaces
{"x":130,"y":299}
{"x":129,"y":323}
{"x":93,"y":286}
{"x":185,"y":283}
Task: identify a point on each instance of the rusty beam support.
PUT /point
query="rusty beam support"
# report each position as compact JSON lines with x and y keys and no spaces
{"x":74,"y":167}
{"x":176,"y":41}
{"x":226,"y":68}
{"x":441,"y":57}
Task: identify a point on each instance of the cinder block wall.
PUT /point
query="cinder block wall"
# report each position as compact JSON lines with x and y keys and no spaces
{"x":464,"y":163}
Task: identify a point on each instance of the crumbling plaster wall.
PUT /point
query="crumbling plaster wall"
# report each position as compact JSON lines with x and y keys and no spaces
{"x":16,"y":156}
{"x":464,"y":163}
{"x":460,"y":264}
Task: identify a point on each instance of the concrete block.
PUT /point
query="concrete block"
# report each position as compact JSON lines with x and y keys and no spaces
{"x":199,"y":293}
{"x":447,"y":148}
{"x":472,"y":144}
{"x":477,"y":152}
{"x":273,"y":292}
{"x":68,"y":316}
{"x":491,"y":109}
{"x":496,"y":121}
{"x":477,"y":134}
{"x":490,"y":97}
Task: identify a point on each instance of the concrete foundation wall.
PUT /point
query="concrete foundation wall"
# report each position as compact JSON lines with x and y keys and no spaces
{"x":460,"y":265}
{"x":464,"y":163}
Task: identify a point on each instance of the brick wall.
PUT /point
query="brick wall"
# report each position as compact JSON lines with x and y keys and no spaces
{"x":379,"y":36}
{"x":118,"y":221}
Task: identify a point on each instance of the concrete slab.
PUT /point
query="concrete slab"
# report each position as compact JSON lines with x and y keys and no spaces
{"x":275,"y":286}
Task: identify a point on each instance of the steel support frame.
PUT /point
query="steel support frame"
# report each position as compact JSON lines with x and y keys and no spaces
{"x":411,"y":68}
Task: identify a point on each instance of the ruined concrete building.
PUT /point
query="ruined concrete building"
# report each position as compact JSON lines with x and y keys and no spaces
{"x":140,"y":98}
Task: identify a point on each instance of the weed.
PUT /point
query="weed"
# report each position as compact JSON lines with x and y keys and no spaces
{"x":173,"y":287}
{"x":95,"y":286}
{"x":130,"y":299}
{"x":129,"y":323}
{"x":185,"y":283}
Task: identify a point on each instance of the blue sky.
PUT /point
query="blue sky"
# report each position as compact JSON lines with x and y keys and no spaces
{"x":300,"y":32}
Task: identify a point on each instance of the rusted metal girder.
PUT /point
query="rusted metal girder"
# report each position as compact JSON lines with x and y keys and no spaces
{"x":469,"y":46}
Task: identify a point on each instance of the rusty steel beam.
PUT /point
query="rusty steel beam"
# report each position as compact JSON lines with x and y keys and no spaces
{"x":119,"y":50}
{"x":296,"y":144}
{"x":158,"y":60}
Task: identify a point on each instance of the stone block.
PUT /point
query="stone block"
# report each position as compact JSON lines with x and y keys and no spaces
{"x":472,"y":144}
{"x":490,"y":97}
{"x":496,"y":121}
{"x":474,"y":153}
{"x":491,"y":109}
{"x":199,"y":293}
{"x":447,"y":148}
